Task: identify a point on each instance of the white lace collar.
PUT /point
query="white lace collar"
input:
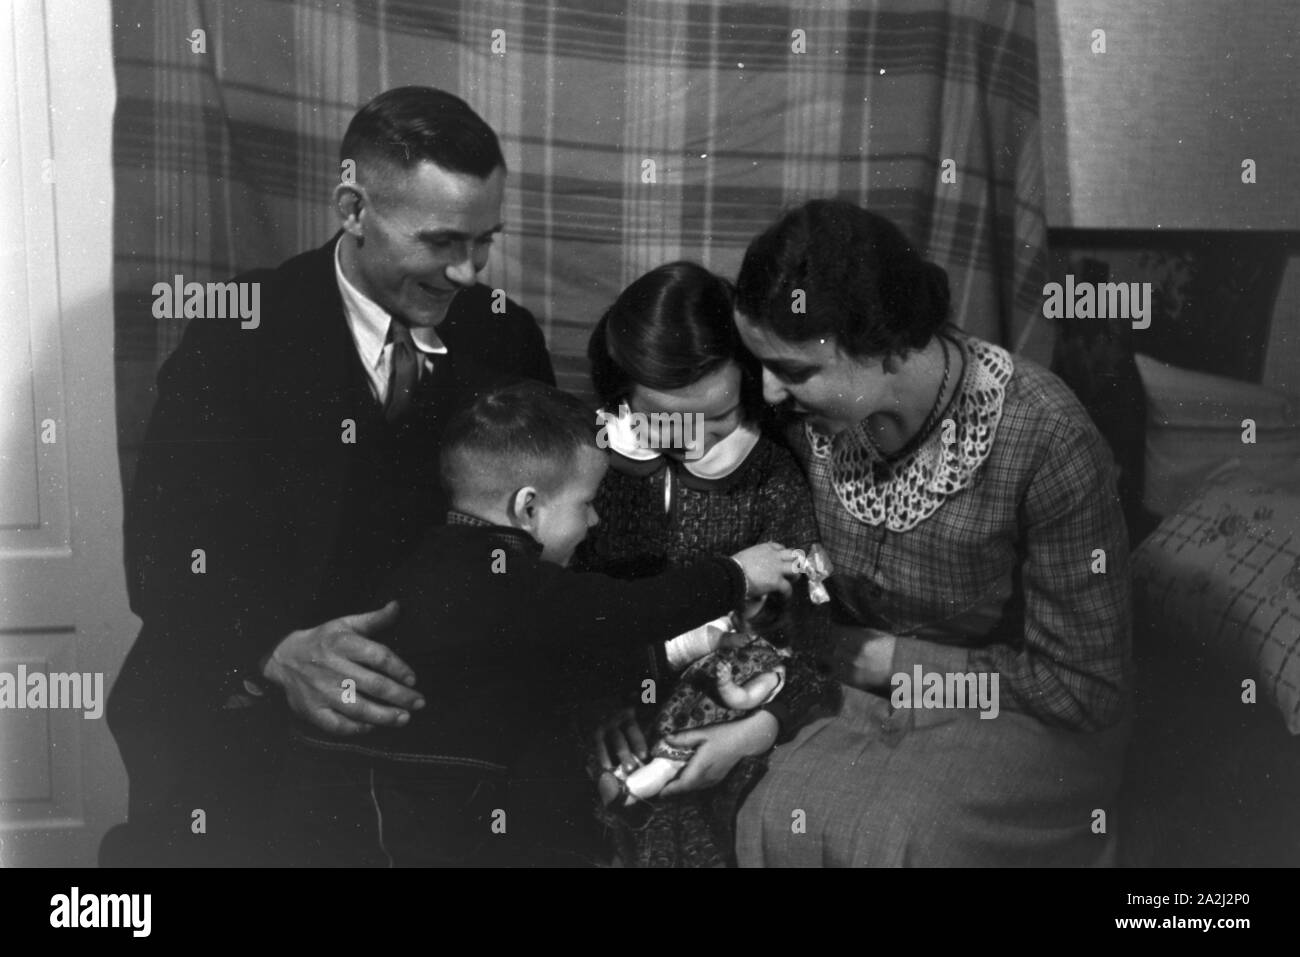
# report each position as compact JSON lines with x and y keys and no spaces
{"x":911,"y":489}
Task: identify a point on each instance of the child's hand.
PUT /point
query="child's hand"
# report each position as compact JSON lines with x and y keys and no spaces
{"x":619,"y":742}
{"x":767,"y":568}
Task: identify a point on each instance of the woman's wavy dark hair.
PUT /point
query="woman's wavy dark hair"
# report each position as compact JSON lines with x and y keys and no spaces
{"x":667,"y":330}
{"x":862,"y":282}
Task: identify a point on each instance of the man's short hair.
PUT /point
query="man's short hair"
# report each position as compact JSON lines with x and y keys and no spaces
{"x":515,"y":436}
{"x":403,"y":127}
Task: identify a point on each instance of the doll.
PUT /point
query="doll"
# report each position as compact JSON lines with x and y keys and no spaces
{"x":744,"y":673}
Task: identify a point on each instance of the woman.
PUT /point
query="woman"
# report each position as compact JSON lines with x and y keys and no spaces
{"x":668,"y":347}
{"x":970,"y":509}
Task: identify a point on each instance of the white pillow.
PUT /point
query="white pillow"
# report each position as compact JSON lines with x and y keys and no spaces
{"x":1194,"y":425}
{"x":1185,"y":398}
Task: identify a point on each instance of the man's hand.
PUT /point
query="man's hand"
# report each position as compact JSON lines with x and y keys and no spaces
{"x":862,"y":657}
{"x":311,"y":665}
{"x":718,"y":748}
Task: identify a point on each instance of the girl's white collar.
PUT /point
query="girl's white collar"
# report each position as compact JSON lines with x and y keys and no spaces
{"x":727,"y":454}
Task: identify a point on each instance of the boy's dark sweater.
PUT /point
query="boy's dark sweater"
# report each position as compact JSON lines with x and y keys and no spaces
{"x":485,"y":624}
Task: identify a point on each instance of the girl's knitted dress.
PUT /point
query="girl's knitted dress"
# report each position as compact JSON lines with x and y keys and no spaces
{"x":656,"y":514}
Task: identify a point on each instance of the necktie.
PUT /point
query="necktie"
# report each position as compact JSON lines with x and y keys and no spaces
{"x":403,"y":372}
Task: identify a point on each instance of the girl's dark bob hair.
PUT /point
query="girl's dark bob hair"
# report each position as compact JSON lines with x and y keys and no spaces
{"x":667,"y":330}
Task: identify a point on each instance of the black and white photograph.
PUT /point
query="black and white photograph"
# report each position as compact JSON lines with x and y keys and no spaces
{"x":607,"y":434}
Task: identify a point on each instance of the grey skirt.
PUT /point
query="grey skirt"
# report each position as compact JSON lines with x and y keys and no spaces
{"x":875,"y":787}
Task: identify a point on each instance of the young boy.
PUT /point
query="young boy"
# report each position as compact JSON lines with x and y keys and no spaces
{"x":487,"y":612}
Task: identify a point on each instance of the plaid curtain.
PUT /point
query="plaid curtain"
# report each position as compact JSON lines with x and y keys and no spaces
{"x":636,"y":132}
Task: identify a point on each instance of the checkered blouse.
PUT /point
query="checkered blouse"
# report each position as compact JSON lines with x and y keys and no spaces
{"x":1006,"y":575}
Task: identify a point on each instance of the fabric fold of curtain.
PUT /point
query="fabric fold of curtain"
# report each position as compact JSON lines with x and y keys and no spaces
{"x":636,"y":131}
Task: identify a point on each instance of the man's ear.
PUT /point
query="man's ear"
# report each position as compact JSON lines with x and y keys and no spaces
{"x":351,"y":201}
{"x":523,"y":508}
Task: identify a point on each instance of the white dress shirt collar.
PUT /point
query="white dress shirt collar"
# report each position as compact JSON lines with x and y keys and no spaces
{"x":369,"y":324}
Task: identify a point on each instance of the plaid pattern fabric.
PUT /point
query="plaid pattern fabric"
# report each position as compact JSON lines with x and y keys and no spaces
{"x":1000,"y":578}
{"x":226,"y":159}
{"x":1221,"y":577}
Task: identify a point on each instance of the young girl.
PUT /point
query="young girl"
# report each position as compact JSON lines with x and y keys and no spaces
{"x":668,"y":349}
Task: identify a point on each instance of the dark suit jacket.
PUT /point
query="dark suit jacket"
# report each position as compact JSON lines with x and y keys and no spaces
{"x":244,"y":459}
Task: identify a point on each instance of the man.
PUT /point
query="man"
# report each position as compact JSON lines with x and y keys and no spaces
{"x":289,"y":464}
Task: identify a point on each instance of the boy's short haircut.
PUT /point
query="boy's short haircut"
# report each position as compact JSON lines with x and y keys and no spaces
{"x":518,"y":435}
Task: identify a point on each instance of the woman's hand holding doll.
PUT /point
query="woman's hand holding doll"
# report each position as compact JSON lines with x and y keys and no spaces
{"x":719,"y":748}
{"x":707,"y":724}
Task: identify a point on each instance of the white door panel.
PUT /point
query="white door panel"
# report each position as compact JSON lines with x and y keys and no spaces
{"x":62,"y":588}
